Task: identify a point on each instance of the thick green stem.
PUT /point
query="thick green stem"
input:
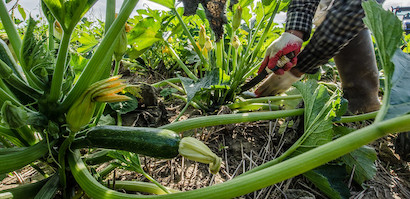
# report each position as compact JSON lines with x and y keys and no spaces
{"x":10,"y":136}
{"x":58,"y":74}
{"x":99,"y":114}
{"x":182,"y":112}
{"x":93,"y":70}
{"x":5,"y":143}
{"x":259,"y":106}
{"x":65,"y":146}
{"x":119,"y":119}
{"x":24,"y":157}
{"x":180,"y":63}
{"x":176,"y":87}
{"x":4,"y":96}
{"x":385,"y":103}
{"x":144,"y":187}
{"x":220,"y":53}
{"x":234,"y":60}
{"x":18,"y":83}
{"x":356,"y":118}
{"x":191,"y":39}
{"x":109,"y":14}
{"x":156,"y":183}
{"x":27,"y":134}
{"x":229,"y":119}
{"x":263,"y":99}
{"x":50,"y":36}
{"x":116,"y":67}
{"x":11,"y":30}
{"x":107,"y":170}
{"x":23,"y":191}
{"x":192,"y":103}
{"x":165,"y":82}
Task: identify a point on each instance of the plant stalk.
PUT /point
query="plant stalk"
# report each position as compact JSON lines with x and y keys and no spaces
{"x":180,"y":63}
{"x":229,"y":119}
{"x":263,"y":99}
{"x":58,"y":74}
{"x":145,"y":187}
{"x":50,"y":36}
{"x":165,"y":82}
{"x":11,"y":30}
{"x":191,"y":39}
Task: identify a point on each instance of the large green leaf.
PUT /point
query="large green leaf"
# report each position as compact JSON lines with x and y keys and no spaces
{"x":387,"y":31}
{"x":318,"y":118}
{"x":385,"y":27}
{"x":329,"y":179}
{"x":167,"y":3}
{"x":145,"y":33}
{"x":361,"y":160}
{"x":400,"y":93}
{"x":320,"y":110}
{"x":69,"y":12}
{"x":192,"y":88}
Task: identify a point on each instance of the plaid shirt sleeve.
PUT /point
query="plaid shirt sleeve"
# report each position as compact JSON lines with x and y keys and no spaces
{"x":343,"y":22}
{"x":300,"y":15}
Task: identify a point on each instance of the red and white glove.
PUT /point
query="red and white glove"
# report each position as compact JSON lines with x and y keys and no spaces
{"x":275,"y":54}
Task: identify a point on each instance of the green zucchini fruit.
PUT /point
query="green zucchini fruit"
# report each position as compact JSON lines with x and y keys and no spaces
{"x":154,"y":142}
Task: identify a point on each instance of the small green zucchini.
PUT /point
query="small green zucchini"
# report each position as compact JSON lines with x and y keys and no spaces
{"x":154,"y":142}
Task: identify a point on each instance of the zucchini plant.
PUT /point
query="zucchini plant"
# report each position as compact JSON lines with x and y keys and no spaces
{"x":223,"y":60}
{"x":46,"y":115}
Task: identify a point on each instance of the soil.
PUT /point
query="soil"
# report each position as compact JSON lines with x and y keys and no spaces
{"x":242,"y":147}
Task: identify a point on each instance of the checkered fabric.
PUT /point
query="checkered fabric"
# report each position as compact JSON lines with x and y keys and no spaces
{"x":343,"y":22}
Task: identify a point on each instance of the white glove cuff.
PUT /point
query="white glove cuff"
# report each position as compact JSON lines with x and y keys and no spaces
{"x":290,"y":77}
{"x":291,"y":37}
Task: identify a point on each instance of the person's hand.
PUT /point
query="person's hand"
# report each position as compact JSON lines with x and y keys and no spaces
{"x":275,"y":54}
{"x":276,"y":84}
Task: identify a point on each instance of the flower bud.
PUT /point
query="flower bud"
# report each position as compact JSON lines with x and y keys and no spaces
{"x":81,"y":112}
{"x":208,"y":44}
{"x":14,"y":116}
{"x":194,"y":149}
{"x":202,"y":36}
{"x":121,"y":46}
{"x":237,"y":18}
{"x":235,"y":42}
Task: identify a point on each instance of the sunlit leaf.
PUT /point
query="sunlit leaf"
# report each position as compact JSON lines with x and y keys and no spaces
{"x":167,"y":3}
{"x":400,"y":93}
{"x":22,"y":12}
{"x":88,"y":42}
{"x":387,"y":32}
{"x":317,"y":121}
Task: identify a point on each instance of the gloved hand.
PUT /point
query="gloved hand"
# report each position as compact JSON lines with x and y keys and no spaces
{"x":276,"y":84}
{"x":275,"y":54}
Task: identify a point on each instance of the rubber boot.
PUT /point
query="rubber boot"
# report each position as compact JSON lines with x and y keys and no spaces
{"x":358,"y":72}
